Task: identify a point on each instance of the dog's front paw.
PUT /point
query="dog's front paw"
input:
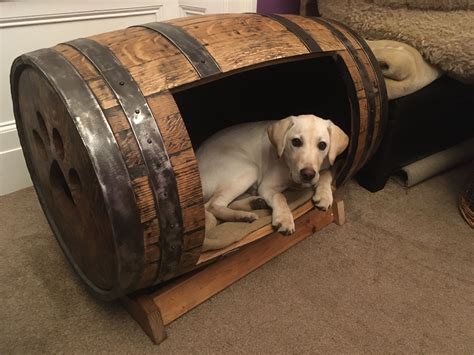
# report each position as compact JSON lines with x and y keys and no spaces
{"x":284,"y":223}
{"x":247,"y":217}
{"x":323,"y":199}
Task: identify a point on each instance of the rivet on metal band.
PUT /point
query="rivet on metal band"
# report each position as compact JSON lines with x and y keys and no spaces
{"x":150,"y":141}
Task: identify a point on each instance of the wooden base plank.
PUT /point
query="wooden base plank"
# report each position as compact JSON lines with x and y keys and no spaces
{"x":339,"y":212}
{"x":155,"y":308}
{"x":147,"y":314}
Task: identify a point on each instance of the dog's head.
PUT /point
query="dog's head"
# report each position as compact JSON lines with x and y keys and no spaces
{"x":304,"y":142}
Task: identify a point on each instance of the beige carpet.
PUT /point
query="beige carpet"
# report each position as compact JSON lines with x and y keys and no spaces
{"x":397,"y":278}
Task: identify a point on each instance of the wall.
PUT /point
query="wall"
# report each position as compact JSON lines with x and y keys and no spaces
{"x":30,"y":25}
{"x":278,"y":6}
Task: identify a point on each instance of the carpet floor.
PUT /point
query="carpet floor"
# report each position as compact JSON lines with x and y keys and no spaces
{"x":398,"y":277}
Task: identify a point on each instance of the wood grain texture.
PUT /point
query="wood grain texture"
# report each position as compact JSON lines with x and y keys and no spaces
{"x":339,"y":212}
{"x":153,"y":62}
{"x":97,"y":84}
{"x":321,"y":34}
{"x":147,"y":314}
{"x":193,"y":239}
{"x":138,"y":172}
{"x":182,"y":158}
{"x":237,"y":41}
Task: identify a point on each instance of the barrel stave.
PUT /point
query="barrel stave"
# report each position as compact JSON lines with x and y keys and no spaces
{"x":179,"y":148}
{"x":323,"y":36}
{"x":153,"y":62}
{"x":237,"y":42}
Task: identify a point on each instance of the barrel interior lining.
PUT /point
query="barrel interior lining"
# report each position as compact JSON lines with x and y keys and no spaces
{"x":268,"y":93}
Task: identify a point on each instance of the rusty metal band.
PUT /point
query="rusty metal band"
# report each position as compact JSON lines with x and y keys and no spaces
{"x":106,"y":159}
{"x":367,"y":83}
{"x":150,"y":141}
{"x":381,"y":83}
{"x":195,"y":52}
{"x":298,"y":31}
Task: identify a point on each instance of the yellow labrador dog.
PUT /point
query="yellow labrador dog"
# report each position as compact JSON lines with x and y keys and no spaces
{"x":268,"y":157}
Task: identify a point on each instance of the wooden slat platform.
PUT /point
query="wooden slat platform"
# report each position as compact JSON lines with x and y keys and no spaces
{"x":153,"y":309}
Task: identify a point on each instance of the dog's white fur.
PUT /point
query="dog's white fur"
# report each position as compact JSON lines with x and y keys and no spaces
{"x":262,"y":156}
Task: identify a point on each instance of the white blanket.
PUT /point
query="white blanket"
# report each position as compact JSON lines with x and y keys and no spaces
{"x":404,"y":69}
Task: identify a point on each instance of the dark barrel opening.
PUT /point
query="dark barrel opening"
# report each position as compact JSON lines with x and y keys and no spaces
{"x":272,"y":92}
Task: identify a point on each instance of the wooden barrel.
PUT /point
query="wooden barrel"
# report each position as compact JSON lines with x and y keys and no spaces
{"x":108,"y":150}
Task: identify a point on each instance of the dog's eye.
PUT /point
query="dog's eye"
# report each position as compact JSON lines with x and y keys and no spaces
{"x":296,"y":142}
{"x":322,"y":145}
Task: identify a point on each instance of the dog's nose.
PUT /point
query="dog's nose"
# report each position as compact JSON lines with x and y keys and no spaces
{"x":307,"y":174}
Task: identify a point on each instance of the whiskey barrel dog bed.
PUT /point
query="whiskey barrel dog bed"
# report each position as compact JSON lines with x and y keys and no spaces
{"x":109,"y":124}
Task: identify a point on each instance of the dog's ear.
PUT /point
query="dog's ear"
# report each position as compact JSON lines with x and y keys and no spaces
{"x":339,"y":142}
{"x":277,"y":133}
